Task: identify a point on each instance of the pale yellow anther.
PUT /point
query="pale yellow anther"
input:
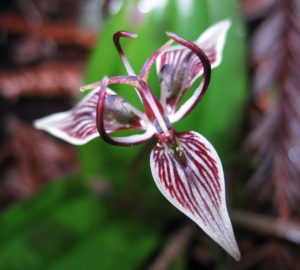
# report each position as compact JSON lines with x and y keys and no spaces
{"x":90,"y":86}
{"x":161,"y":50}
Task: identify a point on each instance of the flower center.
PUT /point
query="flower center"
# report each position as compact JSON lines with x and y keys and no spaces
{"x":163,"y":129}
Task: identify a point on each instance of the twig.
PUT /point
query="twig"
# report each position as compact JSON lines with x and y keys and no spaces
{"x":53,"y":79}
{"x":172,"y":249}
{"x":60,"y":33}
{"x":286,"y":229}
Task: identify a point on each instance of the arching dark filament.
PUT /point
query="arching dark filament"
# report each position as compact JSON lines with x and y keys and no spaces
{"x":205,"y":63}
{"x":116,"y":39}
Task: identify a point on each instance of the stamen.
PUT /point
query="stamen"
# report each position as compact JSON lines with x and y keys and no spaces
{"x":125,"y":61}
{"x":90,"y":86}
{"x":129,"y":80}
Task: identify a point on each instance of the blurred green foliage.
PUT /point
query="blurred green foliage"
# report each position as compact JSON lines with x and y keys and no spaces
{"x":67,"y":225}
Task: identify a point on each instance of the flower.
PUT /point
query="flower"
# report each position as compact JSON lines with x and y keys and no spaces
{"x":185,"y":166}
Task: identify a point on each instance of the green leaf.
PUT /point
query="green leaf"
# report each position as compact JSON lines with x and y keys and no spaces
{"x":70,"y":230}
{"x":111,"y":247}
{"x":21,"y":216}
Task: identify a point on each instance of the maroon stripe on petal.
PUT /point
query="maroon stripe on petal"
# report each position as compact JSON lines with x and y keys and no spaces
{"x":211,"y":171}
{"x":185,"y":68}
{"x":189,"y":198}
{"x":78,"y":125}
{"x":170,"y":179}
{"x":201,"y":150}
{"x":204,"y":174}
{"x":189,"y":174}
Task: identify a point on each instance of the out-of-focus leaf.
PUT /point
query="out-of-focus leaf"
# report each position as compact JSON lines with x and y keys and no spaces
{"x":24,"y":214}
{"x":68,"y":227}
{"x":179,"y":263}
{"x":115,"y":245}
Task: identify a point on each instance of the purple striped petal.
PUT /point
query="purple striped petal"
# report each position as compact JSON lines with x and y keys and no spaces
{"x":190,"y":175}
{"x":178,"y":67}
{"x":78,"y":125}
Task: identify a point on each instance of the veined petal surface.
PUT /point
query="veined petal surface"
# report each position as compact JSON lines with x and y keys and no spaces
{"x":178,"y":67}
{"x":190,"y":175}
{"x":212,"y":42}
{"x":78,"y":125}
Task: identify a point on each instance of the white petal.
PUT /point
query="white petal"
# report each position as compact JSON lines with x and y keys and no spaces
{"x":190,"y":176}
{"x":212,"y":41}
{"x":184,"y":66}
{"x":78,"y":125}
{"x":66,"y":126}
